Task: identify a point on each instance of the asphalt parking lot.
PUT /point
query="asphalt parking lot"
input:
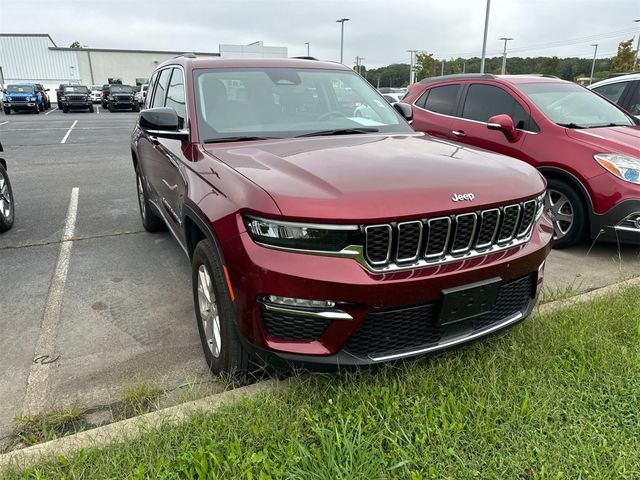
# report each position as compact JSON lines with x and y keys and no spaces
{"x":81,"y":317}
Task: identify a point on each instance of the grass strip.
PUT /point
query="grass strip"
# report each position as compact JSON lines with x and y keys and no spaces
{"x":556,"y":397}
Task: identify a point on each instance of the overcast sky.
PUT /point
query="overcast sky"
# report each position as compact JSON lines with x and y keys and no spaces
{"x":379,"y":30}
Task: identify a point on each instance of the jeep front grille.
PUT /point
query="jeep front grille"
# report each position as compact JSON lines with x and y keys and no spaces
{"x":397,"y":245}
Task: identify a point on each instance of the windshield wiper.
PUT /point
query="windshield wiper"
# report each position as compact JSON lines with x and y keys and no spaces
{"x":612,"y":125}
{"x":340,"y":131}
{"x":571,"y":125}
{"x":239,"y":138}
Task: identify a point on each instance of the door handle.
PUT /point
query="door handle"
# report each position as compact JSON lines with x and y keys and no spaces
{"x":459,"y":133}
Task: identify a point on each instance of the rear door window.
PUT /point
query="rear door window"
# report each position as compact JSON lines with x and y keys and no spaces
{"x":442,"y":99}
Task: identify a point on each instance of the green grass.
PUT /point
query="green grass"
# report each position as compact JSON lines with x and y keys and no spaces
{"x":43,"y":427}
{"x":554,"y":294}
{"x":138,"y":397}
{"x":557,"y":397}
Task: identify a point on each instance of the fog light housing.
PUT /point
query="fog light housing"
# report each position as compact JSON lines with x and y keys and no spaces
{"x":299,"y":302}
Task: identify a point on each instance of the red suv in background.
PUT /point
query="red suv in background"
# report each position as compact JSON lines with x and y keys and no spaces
{"x":320,"y":227}
{"x":587,"y":147}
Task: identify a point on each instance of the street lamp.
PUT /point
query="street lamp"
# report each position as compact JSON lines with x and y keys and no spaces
{"x":341,"y":22}
{"x":593,"y":65}
{"x":484,"y":39}
{"x":504,"y":54}
{"x":412,"y":67}
{"x":635,"y":62}
{"x":307,"y":44}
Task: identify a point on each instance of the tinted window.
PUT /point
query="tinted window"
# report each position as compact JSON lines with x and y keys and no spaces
{"x":175,"y":96}
{"x":442,"y":99}
{"x":613,"y":92}
{"x":423,"y":99}
{"x":161,"y":88}
{"x":633,"y":105}
{"x":486,"y":101}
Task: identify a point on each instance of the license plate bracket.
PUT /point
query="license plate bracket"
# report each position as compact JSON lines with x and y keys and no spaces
{"x":468,"y":301}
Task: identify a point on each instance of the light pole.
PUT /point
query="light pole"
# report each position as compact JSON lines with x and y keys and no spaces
{"x":635,"y":62}
{"x":442,"y":69}
{"x":504,"y":54}
{"x":307,"y":44}
{"x":593,"y":65}
{"x":412,"y":73}
{"x":484,"y":39}
{"x":341,"y":22}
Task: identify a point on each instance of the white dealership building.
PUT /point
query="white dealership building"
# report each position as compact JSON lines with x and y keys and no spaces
{"x":35,"y":58}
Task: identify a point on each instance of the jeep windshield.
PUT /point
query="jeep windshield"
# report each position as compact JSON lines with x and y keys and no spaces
{"x":75,"y":89}
{"x":121,"y":89}
{"x":20,"y":89}
{"x":573,"y":106}
{"x":250,"y":103}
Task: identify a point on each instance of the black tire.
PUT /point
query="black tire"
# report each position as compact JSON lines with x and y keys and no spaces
{"x":135,"y":109}
{"x":65,"y":110}
{"x":111,"y":108}
{"x":7,"y":111}
{"x":564,"y":200}
{"x":230,"y":357}
{"x":6,"y":202}
{"x":91,"y":108}
{"x":150,"y":221}
{"x":36,"y":109}
{"x":41,"y":107}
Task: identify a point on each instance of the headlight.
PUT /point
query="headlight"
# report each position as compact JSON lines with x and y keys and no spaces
{"x":63,"y":98}
{"x":32,"y":99}
{"x":540,"y":206}
{"x":624,"y":167}
{"x":302,"y":236}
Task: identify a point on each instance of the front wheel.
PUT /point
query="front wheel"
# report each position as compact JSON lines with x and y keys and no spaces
{"x":150,"y":221}
{"x":567,"y":212}
{"x":223,"y":349}
{"x":7,"y":111}
{"x":111,"y":109}
{"x":36,"y":109}
{"x":6,"y":201}
{"x":91,"y":108}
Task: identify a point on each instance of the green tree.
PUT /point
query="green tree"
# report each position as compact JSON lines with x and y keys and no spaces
{"x":75,"y":44}
{"x":623,"y":61}
{"x":425,"y":65}
{"x":394,"y":75}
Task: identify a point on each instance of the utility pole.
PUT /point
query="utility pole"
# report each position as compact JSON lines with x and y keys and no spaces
{"x":504,"y":54}
{"x":307,"y":44}
{"x":635,"y":62}
{"x":378,"y":86}
{"x":593,"y":65}
{"x":484,"y":40}
{"x":341,"y":22}
{"x":358,"y":64}
{"x":464,"y":67}
{"x":442,"y":68}
{"x":412,"y":73}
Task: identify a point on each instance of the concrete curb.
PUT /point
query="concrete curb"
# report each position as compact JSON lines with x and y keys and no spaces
{"x":588,"y":296}
{"x":132,"y":427}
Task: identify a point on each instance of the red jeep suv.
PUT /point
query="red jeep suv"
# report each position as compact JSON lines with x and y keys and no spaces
{"x":321,"y":229}
{"x":587,"y":147}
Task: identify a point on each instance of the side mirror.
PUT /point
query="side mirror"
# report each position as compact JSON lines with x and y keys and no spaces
{"x":47,"y":89}
{"x":162,"y":122}
{"x":504,"y":123}
{"x":405,"y":110}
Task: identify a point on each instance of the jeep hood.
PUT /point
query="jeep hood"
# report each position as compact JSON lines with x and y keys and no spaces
{"x":610,"y":139}
{"x":376,"y":177}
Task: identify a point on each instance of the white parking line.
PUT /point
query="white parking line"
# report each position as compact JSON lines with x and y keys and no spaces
{"x":4,"y":123}
{"x":38,"y":381}
{"x":68,"y":132}
{"x":51,"y":111}
{"x":97,"y":109}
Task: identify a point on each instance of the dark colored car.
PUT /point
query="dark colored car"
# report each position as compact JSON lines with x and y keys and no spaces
{"x":6,"y":197}
{"x":105,"y":94}
{"x":587,"y":147}
{"x":322,"y":235}
{"x":122,"y":97}
{"x":75,"y":97}
{"x":23,"y":97}
{"x":623,"y":90}
{"x":45,"y":96}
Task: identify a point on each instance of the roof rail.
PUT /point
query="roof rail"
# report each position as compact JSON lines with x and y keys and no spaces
{"x":306,"y":58}
{"x":543,"y":75}
{"x":186,"y":55}
{"x":458,"y":76}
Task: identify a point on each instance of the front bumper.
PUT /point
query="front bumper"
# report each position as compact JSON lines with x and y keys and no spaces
{"x":619,"y":224}
{"x":86,"y":104}
{"x":404,"y":301}
{"x":20,"y":105}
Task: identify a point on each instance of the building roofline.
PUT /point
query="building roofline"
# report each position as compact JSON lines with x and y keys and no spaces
{"x":122,"y":50}
{"x":30,"y":35}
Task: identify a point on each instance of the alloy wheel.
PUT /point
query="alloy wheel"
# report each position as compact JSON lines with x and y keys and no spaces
{"x":562,"y":213}
{"x":5,"y":198}
{"x":209,"y":311}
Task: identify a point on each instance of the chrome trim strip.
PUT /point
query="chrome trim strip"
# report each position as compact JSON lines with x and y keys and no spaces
{"x":524,"y":207}
{"x":473,"y":232}
{"x":446,"y":242}
{"x":515,"y":225}
{"x":326,"y":315}
{"x":450,"y":343}
{"x":414,"y":257}
{"x":366,"y":240}
{"x":627,"y":229}
{"x":495,"y":228}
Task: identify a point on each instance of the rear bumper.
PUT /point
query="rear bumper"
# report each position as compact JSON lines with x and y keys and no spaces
{"x":369,"y":300}
{"x":619,"y":224}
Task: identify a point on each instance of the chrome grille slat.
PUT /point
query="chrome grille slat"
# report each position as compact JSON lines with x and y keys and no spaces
{"x":415,"y":243}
